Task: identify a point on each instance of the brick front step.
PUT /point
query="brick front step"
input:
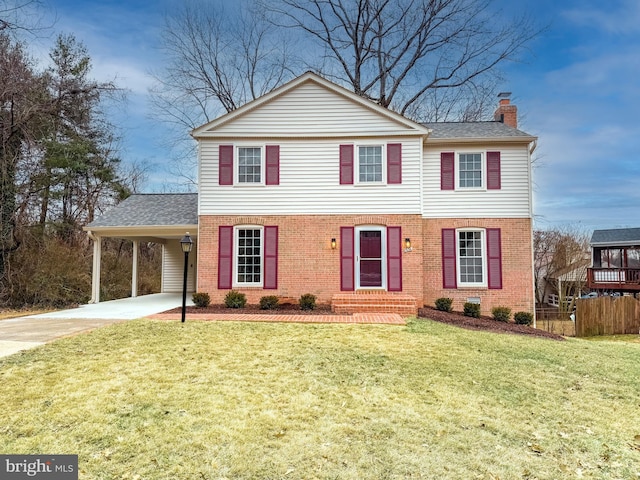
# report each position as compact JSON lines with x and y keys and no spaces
{"x":367,"y":301}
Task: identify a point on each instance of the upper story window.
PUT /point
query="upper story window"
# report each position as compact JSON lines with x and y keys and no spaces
{"x":370,"y":164}
{"x":470,"y":170}
{"x":250,"y":165}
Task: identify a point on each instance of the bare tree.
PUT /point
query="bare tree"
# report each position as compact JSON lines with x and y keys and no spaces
{"x":400,"y":53}
{"x":216,"y":61}
{"x":22,"y":91}
{"x":561,"y":257}
{"x":21,"y":16}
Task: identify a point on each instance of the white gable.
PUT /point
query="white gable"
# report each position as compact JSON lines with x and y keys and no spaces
{"x":310,"y":108}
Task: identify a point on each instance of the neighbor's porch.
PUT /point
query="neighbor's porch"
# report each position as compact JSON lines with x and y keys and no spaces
{"x":617,"y":279}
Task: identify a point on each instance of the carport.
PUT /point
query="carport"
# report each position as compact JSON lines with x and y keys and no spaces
{"x":159,"y":218}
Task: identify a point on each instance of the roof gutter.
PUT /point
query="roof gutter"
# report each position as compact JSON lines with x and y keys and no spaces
{"x":528,"y":140}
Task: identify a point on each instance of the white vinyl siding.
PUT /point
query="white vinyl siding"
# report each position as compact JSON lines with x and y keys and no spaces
{"x":173,"y":267}
{"x":310,"y":109}
{"x":310,"y":183}
{"x":512,"y":200}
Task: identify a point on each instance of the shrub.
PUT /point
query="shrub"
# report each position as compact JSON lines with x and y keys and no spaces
{"x":270,"y":302}
{"x":235,"y":299}
{"x":444,"y":304}
{"x":307,"y":302}
{"x":523,"y":318}
{"x":201,"y":299}
{"x":501,"y":314}
{"x":472,"y":310}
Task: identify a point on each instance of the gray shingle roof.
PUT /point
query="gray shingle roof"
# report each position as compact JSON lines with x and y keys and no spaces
{"x":616,"y":236}
{"x":151,"y":209}
{"x":453,"y":130}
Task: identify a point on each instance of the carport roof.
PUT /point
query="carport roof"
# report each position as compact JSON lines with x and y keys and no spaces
{"x":151,"y":209}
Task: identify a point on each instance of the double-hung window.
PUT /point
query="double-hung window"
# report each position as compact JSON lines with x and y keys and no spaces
{"x":250,"y":165}
{"x":471,"y":258}
{"x":248,"y":261}
{"x":470,"y":170}
{"x":370,"y":164}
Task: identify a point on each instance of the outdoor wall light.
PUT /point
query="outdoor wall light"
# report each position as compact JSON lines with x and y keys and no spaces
{"x":333,"y":244}
{"x":407,"y":243}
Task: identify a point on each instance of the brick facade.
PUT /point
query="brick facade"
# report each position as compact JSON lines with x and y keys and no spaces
{"x":517,"y":269}
{"x":308,"y":264}
{"x":306,"y":261}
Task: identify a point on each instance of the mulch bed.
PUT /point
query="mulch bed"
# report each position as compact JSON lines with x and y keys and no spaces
{"x":283,"y":309}
{"x":483,"y":323}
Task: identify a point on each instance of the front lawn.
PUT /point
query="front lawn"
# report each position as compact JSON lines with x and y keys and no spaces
{"x":201,"y":400}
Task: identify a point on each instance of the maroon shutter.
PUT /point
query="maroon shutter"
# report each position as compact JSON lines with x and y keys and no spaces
{"x":394,"y":259}
{"x":447,"y":171}
{"x":270,"y":258}
{"x":493,"y":171}
{"x":273,"y":164}
{"x":494,"y":258}
{"x":394,"y":163}
{"x":347,"y":266}
{"x":449,"y":276}
{"x":225,"y":257}
{"x":346,"y":164}
{"x":225,"y":165}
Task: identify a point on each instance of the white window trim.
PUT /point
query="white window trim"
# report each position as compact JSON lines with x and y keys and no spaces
{"x":356,"y":166}
{"x":236,"y":240}
{"x":483,"y":239}
{"x":483,"y":167}
{"x":236,"y":165}
{"x":383,"y":239}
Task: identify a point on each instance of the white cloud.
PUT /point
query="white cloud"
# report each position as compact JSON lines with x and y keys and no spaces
{"x":622,"y":17}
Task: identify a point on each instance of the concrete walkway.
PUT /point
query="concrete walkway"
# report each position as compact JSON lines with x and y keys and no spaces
{"x":22,"y":333}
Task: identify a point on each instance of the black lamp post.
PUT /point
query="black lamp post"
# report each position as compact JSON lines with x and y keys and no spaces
{"x":187,"y":244}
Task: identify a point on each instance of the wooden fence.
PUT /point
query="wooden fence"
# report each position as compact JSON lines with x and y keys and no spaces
{"x":607,"y":316}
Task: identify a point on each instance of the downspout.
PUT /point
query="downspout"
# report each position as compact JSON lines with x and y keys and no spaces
{"x":532,"y":147}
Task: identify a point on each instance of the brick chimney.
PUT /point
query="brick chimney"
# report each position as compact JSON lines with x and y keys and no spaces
{"x":506,"y":113}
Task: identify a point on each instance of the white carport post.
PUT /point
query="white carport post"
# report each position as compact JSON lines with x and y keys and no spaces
{"x":134,"y":270}
{"x":95,"y":272}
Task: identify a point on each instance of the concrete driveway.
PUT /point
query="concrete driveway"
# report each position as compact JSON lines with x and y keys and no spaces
{"x":21,"y":333}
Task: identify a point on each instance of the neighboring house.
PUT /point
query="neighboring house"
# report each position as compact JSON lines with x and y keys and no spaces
{"x":566,"y":283}
{"x":615,"y":260}
{"x":313,"y":189}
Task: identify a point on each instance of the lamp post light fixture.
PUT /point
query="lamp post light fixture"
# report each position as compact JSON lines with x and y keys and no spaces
{"x":187,"y":244}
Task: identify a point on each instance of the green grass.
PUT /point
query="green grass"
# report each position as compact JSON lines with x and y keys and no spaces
{"x":160,"y":400}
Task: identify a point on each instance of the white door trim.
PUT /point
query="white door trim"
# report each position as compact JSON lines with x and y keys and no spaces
{"x":383,"y":260}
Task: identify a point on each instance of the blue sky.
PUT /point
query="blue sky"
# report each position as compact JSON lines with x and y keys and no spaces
{"x":577,"y":89}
